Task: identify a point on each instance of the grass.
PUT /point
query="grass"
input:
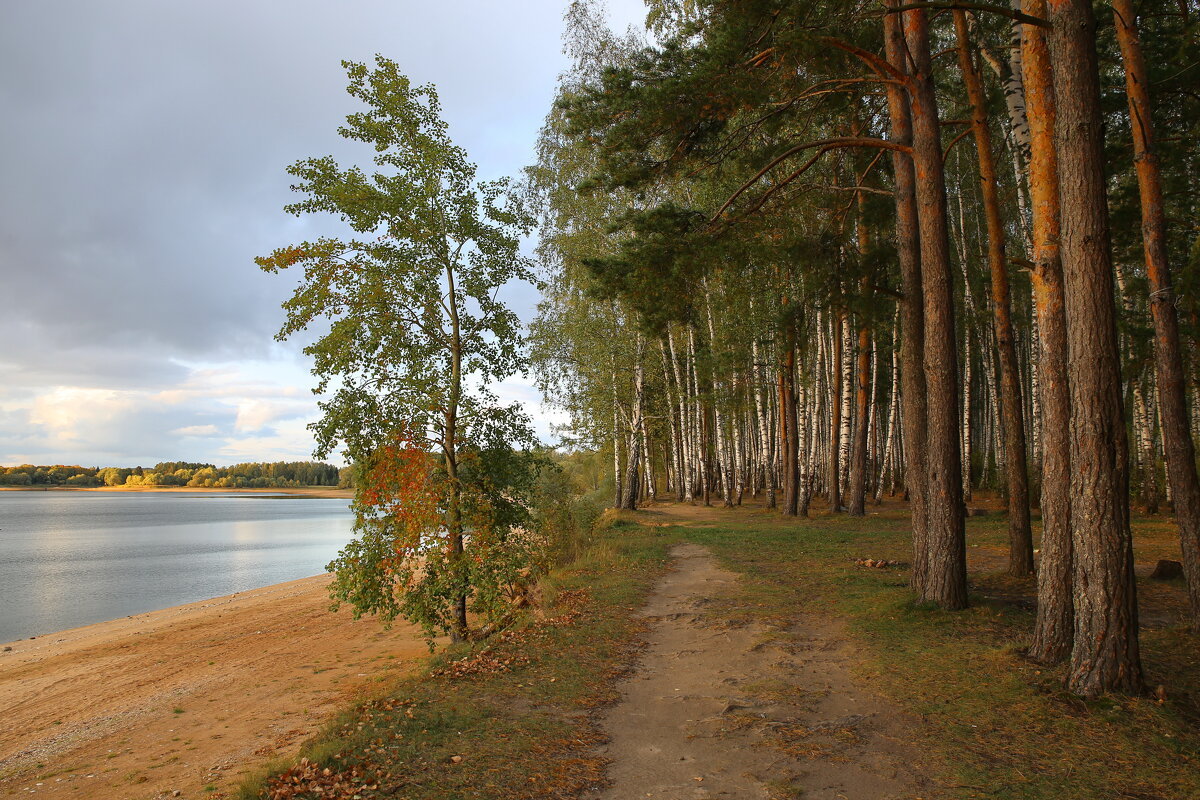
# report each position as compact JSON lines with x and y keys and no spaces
{"x":989,"y":723}
{"x":505,"y":718}
{"x":510,"y":717}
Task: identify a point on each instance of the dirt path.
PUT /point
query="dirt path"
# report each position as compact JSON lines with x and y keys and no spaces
{"x":741,"y":712}
{"x":185,"y":699}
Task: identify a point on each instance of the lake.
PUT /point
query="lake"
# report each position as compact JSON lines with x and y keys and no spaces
{"x":73,"y":558}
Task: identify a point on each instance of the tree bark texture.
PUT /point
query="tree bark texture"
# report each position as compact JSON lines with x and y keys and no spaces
{"x":1054,"y":628}
{"x":787,"y":428}
{"x":912,"y":335}
{"x":835,"y":427}
{"x":1105,"y":654}
{"x":1020,"y":533}
{"x":946,"y":571}
{"x":632,"y":483}
{"x":856,"y":502}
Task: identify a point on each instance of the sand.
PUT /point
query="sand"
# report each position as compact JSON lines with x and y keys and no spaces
{"x":189,"y":698}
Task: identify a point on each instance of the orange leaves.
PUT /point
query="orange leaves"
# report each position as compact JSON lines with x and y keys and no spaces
{"x":307,"y":778}
{"x":398,"y":483}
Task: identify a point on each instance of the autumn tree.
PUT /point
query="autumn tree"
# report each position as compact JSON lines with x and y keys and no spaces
{"x":410,"y":334}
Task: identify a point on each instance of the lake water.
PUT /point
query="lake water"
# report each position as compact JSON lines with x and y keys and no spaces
{"x":73,"y":558}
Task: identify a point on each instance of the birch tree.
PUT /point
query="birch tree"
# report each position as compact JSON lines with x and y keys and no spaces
{"x":410,"y":332}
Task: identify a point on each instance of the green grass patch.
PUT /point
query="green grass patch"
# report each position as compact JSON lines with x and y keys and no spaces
{"x":508,"y":717}
{"x":989,"y":723}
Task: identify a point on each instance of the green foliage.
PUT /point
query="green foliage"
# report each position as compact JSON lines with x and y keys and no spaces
{"x":511,"y":708}
{"x":401,"y":563}
{"x":255,"y":475}
{"x":564,"y":514}
{"x":425,"y":221}
{"x":414,"y":333}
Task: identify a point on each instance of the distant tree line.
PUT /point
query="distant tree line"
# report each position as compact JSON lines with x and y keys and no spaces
{"x":251,"y":475}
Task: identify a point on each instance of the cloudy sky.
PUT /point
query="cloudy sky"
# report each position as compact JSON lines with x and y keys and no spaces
{"x":142,"y":155}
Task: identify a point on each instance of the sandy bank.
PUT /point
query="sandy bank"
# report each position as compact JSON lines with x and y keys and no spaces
{"x":186,"y":697}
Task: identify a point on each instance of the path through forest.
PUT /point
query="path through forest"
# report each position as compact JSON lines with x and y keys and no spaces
{"x":715,"y":709}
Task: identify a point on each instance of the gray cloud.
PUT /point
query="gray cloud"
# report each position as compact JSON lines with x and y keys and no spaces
{"x":142,"y":164}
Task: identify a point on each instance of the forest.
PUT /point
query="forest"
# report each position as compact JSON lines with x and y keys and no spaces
{"x":251,"y":475}
{"x":802,"y":252}
{"x":820,"y":253}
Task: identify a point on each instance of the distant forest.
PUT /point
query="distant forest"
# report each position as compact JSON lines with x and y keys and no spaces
{"x":255,"y":475}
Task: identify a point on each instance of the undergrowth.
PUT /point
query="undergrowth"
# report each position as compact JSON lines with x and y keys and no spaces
{"x":509,"y":717}
{"x":504,"y":718}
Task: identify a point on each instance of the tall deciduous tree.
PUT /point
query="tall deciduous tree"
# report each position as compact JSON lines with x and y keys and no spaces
{"x":414,"y":334}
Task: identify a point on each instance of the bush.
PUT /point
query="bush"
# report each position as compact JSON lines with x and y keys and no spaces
{"x":83,"y":480}
{"x":563,"y":519}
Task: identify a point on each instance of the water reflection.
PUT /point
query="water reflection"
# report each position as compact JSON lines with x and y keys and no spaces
{"x":69,"y":559}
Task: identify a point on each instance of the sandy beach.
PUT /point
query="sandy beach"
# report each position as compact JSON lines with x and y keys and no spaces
{"x":188,"y":698}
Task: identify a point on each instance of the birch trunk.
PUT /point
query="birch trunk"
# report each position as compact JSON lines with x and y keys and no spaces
{"x":764,"y":431}
{"x":846,"y":434}
{"x":632,"y":465}
{"x":835,"y":424}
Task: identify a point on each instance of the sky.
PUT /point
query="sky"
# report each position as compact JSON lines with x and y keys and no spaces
{"x":143,"y":149}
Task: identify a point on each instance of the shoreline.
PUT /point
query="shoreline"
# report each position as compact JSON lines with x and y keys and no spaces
{"x":188,"y":696}
{"x":114,"y":627}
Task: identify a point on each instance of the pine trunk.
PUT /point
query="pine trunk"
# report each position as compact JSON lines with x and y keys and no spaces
{"x":912,"y":336}
{"x":856,"y":503}
{"x":1054,"y":628}
{"x":1020,"y":534}
{"x":1105,"y":655}
{"x":945,"y":581}
{"x":1168,"y":357}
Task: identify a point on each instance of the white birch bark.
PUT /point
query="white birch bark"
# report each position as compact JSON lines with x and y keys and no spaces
{"x":764,"y":429}
{"x":845,"y":433}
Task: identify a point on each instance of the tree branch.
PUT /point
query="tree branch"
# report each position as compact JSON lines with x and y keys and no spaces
{"x":986,"y":7}
{"x":825,"y":146}
{"x":881,"y":66}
